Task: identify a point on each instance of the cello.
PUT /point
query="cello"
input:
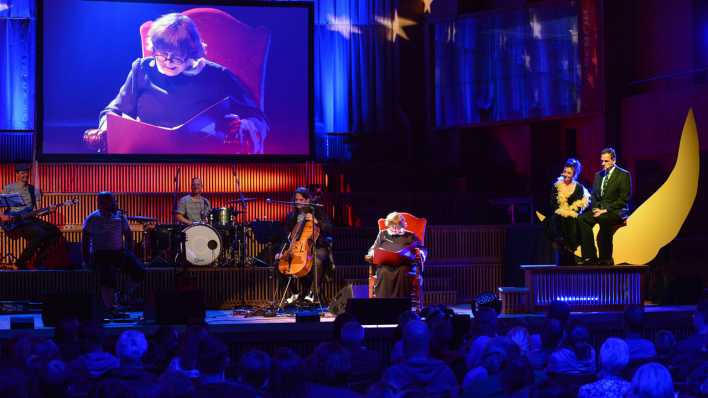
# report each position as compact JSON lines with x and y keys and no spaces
{"x":298,"y":255}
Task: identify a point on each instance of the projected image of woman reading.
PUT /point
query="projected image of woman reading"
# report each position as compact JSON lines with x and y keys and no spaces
{"x":177,"y":100}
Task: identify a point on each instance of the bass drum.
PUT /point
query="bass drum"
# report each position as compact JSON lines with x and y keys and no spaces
{"x":202,"y":245}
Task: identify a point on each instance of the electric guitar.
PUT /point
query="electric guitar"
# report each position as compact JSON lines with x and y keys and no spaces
{"x":18,"y":217}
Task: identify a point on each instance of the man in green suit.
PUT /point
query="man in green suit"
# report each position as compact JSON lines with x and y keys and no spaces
{"x":609,"y":208}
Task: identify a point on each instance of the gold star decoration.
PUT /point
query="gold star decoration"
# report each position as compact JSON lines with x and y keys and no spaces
{"x":426,"y":6}
{"x":535,"y":27}
{"x":574,"y":34}
{"x":451,"y":32}
{"x":396,"y":26}
{"x":342,"y":25}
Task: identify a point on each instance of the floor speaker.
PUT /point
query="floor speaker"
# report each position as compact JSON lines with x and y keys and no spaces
{"x":56,"y":307}
{"x":378,"y":311}
{"x":183,"y":307}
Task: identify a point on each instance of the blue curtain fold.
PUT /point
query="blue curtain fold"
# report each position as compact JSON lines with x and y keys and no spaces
{"x":17,"y":64}
{"x":508,"y":65}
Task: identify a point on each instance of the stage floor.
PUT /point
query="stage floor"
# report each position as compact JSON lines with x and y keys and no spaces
{"x":254,"y":327}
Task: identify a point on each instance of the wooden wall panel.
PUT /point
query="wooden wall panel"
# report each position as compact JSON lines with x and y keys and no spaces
{"x":159,"y":177}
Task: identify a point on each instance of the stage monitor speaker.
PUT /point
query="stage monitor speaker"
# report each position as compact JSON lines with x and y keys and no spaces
{"x":83,"y":307}
{"x":183,"y":307}
{"x":350,"y":291}
{"x":339,"y":302}
{"x":378,"y":311}
{"x":307,"y":317}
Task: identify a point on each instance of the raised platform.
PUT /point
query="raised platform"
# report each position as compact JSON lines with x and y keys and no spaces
{"x":446,"y":282}
{"x":585,"y":288}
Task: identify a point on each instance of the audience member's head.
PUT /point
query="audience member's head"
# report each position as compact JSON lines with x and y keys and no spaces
{"x":130,"y":348}
{"x":634,"y":319}
{"x":254,"y":369}
{"x":652,"y":380}
{"x":42,"y":352}
{"x":52,"y":379}
{"x":614,"y":356}
{"x":665,"y":343}
{"x":441,"y":334}
{"x":700,"y":317}
{"x":339,"y":323}
{"x":174,"y":384}
{"x":474,"y":354}
{"x":579,"y":342}
{"x":189,"y":346}
{"x":162,"y":348}
{"x":352,"y":334}
{"x":416,"y":339}
{"x":112,"y":388}
{"x":520,"y":336}
{"x":552,"y":334}
{"x":287,"y":378}
{"x":485,"y":322}
{"x":497,"y":354}
{"x":403,"y":319}
{"x":332,"y":364}
{"x":517,"y":375}
{"x":213,"y":357}
{"x":559,"y":310}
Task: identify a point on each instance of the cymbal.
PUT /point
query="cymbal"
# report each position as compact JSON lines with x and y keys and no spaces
{"x":141,"y":219}
{"x":241,"y":200}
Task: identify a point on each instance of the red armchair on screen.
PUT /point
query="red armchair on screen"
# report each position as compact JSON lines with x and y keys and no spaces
{"x":230,"y":43}
{"x":417,"y":226}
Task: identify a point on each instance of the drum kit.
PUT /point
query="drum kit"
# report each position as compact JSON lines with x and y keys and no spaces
{"x":219,"y":240}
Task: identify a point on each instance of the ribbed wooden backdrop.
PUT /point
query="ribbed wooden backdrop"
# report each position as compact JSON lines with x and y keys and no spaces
{"x":146,"y":189}
{"x":159,"y":177}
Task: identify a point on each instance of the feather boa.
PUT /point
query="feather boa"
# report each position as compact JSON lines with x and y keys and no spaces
{"x":572,"y":209}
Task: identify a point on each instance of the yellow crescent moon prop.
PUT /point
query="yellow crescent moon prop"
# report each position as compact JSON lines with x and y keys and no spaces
{"x":659,"y":219}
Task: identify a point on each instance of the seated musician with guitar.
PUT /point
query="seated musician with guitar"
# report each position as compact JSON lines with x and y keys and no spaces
{"x":401,"y":248}
{"x":23,"y":222}
{"x":296,"y":222}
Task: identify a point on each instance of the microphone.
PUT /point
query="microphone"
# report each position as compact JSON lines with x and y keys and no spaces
{"x":269,"y":200}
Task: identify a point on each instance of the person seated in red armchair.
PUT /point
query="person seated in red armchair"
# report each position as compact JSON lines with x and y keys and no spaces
{"x":393,"y":281}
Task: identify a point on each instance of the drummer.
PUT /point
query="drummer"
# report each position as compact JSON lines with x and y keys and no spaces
{"x":193,"y":207}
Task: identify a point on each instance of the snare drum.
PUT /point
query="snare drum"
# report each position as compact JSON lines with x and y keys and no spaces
{"x":202,"y":245}
{"x":221,"y":217}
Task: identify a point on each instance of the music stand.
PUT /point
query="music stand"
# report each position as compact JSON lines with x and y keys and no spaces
{"x":11,"y":200}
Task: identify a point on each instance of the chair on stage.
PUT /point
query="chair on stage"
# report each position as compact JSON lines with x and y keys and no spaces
{"x":417,"y":226}
{"x":231,"y":43}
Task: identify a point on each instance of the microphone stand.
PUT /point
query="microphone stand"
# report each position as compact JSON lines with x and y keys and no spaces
{"x":174,"y":197}
{"x":240,"y":232}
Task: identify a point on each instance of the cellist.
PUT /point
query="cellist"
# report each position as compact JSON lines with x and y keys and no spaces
{"x":322,"y":259}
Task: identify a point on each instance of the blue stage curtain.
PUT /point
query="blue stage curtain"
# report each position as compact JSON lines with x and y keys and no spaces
{"x":353,"y":75}
{"x":507,"y":65}
{"x":17,"y":64}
